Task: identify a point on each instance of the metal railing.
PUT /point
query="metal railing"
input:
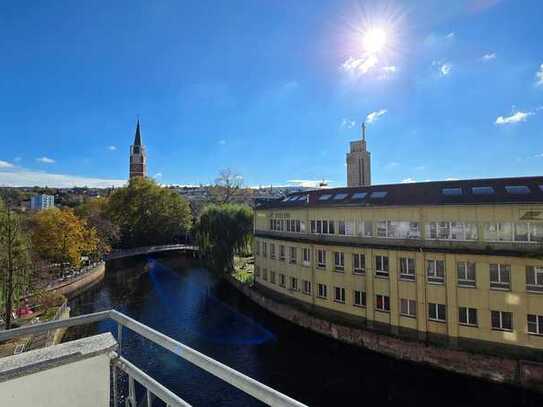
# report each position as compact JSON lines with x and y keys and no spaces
{"x":115,"y":254}
{"x":248,"y":385}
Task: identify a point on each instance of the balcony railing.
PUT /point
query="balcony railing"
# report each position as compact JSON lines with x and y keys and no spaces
{"x":248,"y":385}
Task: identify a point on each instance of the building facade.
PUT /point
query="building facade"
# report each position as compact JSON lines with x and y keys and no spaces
{"x":138,"y":158}
{"x":42,"y":201}
{"x":359,"y":162}
{"x":455,"y":262}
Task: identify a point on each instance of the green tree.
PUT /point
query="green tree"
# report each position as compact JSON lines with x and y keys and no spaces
{"x":148,"y":214}
{"x":94,"y":211}
{"x":14,"y":261}
{"x":223,"y":231}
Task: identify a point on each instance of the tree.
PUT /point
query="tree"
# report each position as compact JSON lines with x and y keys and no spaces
{"x":223,"y":231}
{"x":148,"y":214}
{"x":226,"y":187}
{"x":94,"y":211}
{"x":58,"y":235}
{"x":14,"y":261}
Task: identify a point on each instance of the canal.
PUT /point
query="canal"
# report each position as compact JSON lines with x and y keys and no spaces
{"x":185,"y":301}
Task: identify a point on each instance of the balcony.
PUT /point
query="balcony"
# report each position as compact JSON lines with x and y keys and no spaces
{"x":86,"y":372}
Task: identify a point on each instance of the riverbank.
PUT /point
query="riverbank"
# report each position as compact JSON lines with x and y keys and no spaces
{"x":74,"y":286}
{"x":501,"y":370}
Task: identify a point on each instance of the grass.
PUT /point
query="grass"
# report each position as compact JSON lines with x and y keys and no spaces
{"x":244,"y":269}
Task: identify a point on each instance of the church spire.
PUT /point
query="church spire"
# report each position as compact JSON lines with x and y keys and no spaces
{"x":137,"y":138}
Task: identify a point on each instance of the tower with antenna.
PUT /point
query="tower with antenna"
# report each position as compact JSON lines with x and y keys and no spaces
{"x":359,"y":162}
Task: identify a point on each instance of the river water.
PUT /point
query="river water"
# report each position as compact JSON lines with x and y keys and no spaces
{"x":185,"y":301}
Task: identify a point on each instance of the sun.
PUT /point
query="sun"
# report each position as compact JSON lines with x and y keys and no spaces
{"x":374,"y":40}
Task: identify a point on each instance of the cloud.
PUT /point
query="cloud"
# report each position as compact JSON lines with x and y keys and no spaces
{"x":112,"y":148}
{"x":5,"y":164}
{"x":514,"y":118}
{"x":439,"y":39}
{"x":157,"y":175}
{"x":28,"y":178}
{"x":408,"y":181}
{"x":222,"y":142}
{"x":307,"y":183}
{"x":538,"y":155}
{"x":347,"y":124}
{"x":374,"y":116}
{"x":451,"y":179}
{"x":392,"y":164}
{"x":360,"y":66}
{"x":420,"y":167}
{"x":444,"y":68}
{"x":390,"y":68}
{"x":488,"y":57}
{"x":450,"y":36}
{"x":17,"y":159}
{"x":539,"y":76}
{"x":45,"y":160}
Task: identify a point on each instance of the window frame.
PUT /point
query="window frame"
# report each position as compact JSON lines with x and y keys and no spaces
{"x":407,"y":276}
{"x":382,"y":303}
{"x":339,"y":267}
{"x":500,"y":314}
{"x":537,"y":285}
{"x":462,"y":267}
{"x":435,"y":278}
{"x":341,"y":291}
{"x":322,"y":292}
{"x":361,"y":269}
{"x":361,"y":296}
{"x":410,"y":307}
{"x":438,"y":309}
{"x":500,"y":285}
{"x":468,"y":316}
{"x":381,"y":272}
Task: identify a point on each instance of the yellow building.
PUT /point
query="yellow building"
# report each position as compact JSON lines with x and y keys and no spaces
{"x":459,"y":262}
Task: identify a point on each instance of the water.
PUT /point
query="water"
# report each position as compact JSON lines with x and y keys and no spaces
{"x":186,"y":302}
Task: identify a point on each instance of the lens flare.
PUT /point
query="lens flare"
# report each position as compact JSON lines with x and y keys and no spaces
{"x":374,"y":40}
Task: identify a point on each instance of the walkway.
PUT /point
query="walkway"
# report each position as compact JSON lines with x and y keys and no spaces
{"x":118,"y":254}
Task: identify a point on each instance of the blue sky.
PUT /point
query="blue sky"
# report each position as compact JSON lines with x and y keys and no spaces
{"x":272,"y":89}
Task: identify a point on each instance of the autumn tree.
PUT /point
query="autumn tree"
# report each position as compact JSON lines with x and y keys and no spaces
{"x":14,"y":261}
{"x":148,"y":214}
{"x":59,"y":236}
{"x":94,"y":211}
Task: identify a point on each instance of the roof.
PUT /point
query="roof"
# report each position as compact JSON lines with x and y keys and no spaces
{"x":137,"y":138}
{"x":522,"y":190}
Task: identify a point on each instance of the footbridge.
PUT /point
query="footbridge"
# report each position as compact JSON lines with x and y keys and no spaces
{"x":138,"y":251}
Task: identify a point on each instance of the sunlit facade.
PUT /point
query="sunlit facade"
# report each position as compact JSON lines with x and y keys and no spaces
{"x":456,"y":262}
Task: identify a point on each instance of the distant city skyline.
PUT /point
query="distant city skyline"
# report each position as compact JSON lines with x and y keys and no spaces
{"x":275,"y":91}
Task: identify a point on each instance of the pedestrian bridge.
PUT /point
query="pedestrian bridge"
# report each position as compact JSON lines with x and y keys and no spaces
{"x":138,"y":251}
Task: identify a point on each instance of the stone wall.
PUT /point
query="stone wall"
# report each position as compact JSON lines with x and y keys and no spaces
{"x":70,"y":288}
{"x":504,"y":370}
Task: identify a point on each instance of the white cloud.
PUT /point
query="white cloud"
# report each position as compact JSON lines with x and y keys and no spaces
{"x":307,"y":183}
{"x":112,"y":148}
{"x":514,"y":118}
{"x":538,"y":155}
{"x":28,"y":178}
{"x":5,"y":164}
{"x":539,"y":76}
{"x":157,"y":175}
{"x":445,"y":69}
{"x":374,"y":116}
{"x":17,"y":159}
{"x":420,"y":167}
{"x":408,"y":180}
{"x":360,"y":66}
{"x":390,"y":68}
{"x":451,"y":179}
{"x":45,"y":160}
{"x":488,"y":57}
{"x":222,"y":142}
{"x":392,"y":164}
{"x":347,"y":124}
{"x":450,"y":36}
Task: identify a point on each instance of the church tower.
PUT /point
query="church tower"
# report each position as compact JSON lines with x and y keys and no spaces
{"x":359,"y":163}
{"x":138,"y":159}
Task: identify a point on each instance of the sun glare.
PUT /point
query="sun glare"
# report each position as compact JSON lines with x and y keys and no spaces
{"x":374,"y":40}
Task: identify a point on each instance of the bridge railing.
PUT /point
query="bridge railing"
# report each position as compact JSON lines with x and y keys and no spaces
{"x":147,"y":249}
{"x":237,"y":379}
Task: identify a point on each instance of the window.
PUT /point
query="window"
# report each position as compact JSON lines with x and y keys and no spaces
{"x":322,"y":291}
{"x":451,"y":231}
{"x":339,"y":196}
{"x":359,"y":195}
{"x":437,"y":312}
{"x":365,"y":228}
{"x":381,"y":228}
{"x":381,"y":266}
{"x":359,"y":263}
{"x":339,"y":295}
{"x":282,"y":253}
{"x":302,"y":197}
{"x":501,"y":320}
{"x":282,"y":280}
{"x":359,"y":298}
{"x":257,"y":271}
{"x":451,"y":191}
{"x":339,"y":261}
{"x":307,"y":256}
{"x":264,"y":249}
{"x":341,"y":227}
{"x":408,"y":307}
{"x":467,"y":316}
{"x":443,"y":230}
{"x":378,"y":194}
{"x":482,"y":190}
{"x":517,"y":189}
{"x":293,"y":255}
{"x":435,"y":271}
{"x":264,"y":274}
{"x":535,"y":324}
{"x":407,"y":268}
{"x":321,"y":258}
{"x":257,"y":248}
{"x":402,"y":230}
{"x":294,"y":283}
{"x":322,"y":226}
{"x":500,"y":276}
{"x":324,"y":197}
{"x":272,"y":277}
{"x":272,"y":251}
{"x":534,"y":278}
{"x":307,"y":287}
{"x":499,"y":232}
{"x":382,"y":303}
{"x":465,"y":272}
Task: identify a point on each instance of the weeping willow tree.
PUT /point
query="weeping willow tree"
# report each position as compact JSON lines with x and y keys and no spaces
{"x":223,"y":231}
{"x":14,"y":262}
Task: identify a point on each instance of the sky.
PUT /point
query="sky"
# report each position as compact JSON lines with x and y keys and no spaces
{"x":274,"y":90}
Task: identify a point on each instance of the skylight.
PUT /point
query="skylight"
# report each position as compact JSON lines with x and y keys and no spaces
{"x":451,"y":191}
{"x":293,"y":198}
{"x":541,"y":187}
{"x":378,"y":194}
{"x":302,"y":197}
{"x":286,"y":198}
{"x":517,"y":189}
{"x":325,"y":197}
{"x":482,"y":190}
{"x":359,"y":195}
{"x":341,"y":195}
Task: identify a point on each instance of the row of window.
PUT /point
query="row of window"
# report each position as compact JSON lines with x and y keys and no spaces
{"x":500,"y":320}
{"x":447,"y":230}
{"x":466,"y":272}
